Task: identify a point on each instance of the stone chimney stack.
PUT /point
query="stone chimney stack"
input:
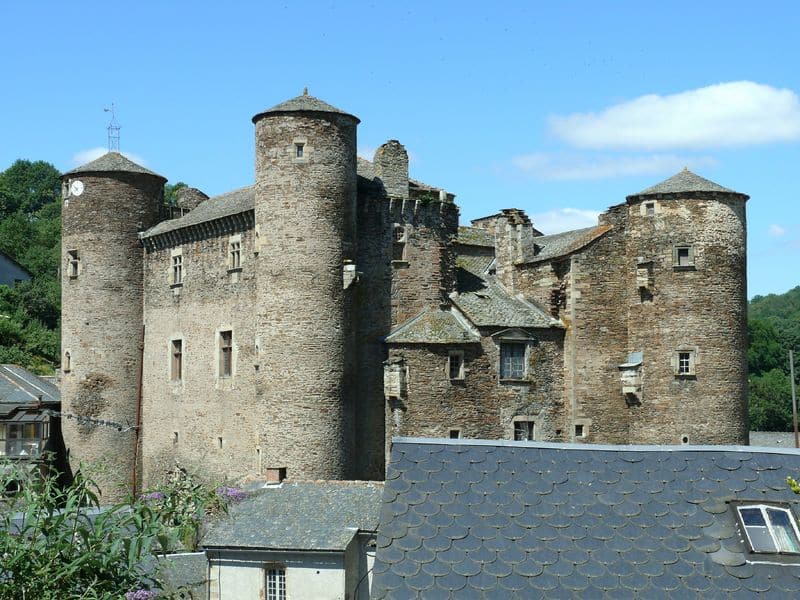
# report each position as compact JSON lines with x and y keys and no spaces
{"x":514,"y":233}
{"x":391,"y":167}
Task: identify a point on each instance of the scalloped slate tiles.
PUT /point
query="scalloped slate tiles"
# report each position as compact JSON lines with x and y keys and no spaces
{"x":478,"y":519}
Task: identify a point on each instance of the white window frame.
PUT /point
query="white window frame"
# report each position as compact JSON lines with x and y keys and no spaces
{"x":768,"y":527}
{"x":275,"y":582}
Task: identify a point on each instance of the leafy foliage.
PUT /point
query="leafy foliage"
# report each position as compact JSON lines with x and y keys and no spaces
{"x":774,"y":328}
{"x":30,"y":234}
{"x":58,"y":544}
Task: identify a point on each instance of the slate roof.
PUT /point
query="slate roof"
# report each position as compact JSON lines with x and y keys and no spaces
{"x":20,"y":389}
{"x":479,"y":519}
{"x":475,"y":236}
{"x":486,"y":304}
{"x":434,"y":326}
{"x":303,"y":103}
{"x":476,"y":263}
{"x":310,"y":515}
{"x":683,"y":182}
{"x":548,"y":247}
{"x":229,"y":203}
{"x":112,"y":162}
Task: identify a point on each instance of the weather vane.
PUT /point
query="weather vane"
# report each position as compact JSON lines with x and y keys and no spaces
{"x":113,"y":129}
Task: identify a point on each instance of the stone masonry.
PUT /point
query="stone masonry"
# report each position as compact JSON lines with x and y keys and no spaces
{"x":303,"y":321}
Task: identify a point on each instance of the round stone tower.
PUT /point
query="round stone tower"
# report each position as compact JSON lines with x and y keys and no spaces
{"x":305,"y":226}
{"x":688,"y":312}
{"x":106,"y":203}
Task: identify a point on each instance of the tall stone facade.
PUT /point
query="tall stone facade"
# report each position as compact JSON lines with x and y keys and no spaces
{"x":301,"y":322}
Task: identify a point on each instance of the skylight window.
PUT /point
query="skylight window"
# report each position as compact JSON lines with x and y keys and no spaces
{"x":770,"y":529}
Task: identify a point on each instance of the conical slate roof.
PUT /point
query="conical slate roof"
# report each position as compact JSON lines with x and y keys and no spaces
{"x":112,"y":162}
{"x":303,"y":103}
{"x":683,"y":182}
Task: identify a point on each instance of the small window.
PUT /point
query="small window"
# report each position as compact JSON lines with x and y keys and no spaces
{"x":276,"y":583}
{"x":649,"y":209}
{"x":174,"y":437}
{"x":73,"y":264}
{"x":579,"y":432}
{"x":512,"y":360}
{"x":770,"y":529}
{"x":299,"y":150}
{"x":683,"y":256}
{"x":399,"y":243}
{"x":177,"y":269}
{"x":684,"y":363}
{"x":225,"y":353}
{"x":455,"y":365}
{"x":176,"y":360}
{"x":524,"y":430}
{"x":66,"y":367}
{"x":455,"y":434}
{"x":235,"y":253}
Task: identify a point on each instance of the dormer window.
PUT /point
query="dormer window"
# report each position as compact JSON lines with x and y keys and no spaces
{"x":769,"y":528}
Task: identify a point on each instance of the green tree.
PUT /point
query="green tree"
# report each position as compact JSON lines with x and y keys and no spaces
{"x":28,"y":186}
{"x":770,"y":401}
{"x":765,"y":351}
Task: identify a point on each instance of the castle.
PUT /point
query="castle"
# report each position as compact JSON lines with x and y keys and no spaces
{"x":301,"y":322}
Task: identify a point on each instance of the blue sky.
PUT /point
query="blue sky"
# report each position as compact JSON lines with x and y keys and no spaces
{"x":561,"y":109}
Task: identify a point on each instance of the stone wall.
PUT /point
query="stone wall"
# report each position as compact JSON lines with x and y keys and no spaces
{"x":700,"y":309}
{"x":204,"y":421}
{"x":305,"y":213}
{"x":479,"y":406}
{"x":101,"y":320}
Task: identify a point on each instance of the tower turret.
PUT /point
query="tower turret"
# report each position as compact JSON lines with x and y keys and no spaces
{"x":106,"y":203}
{"x":687,"y":299}
{"x":305,"y":221}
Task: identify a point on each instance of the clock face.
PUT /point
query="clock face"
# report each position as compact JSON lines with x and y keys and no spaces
{"x":76,"y":188}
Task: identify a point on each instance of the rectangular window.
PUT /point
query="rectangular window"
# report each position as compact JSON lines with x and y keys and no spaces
{"x":276,"y":584}
{"x":512,"y":360}
{"x":23,"y":439}
{"x":684,"y":362}
{"x":176,"y":362}
{"x":235,"y":254}
{"x":579,"y":430}
{"x":225,"y":353}
{"x":524,"y":430}
{"x":770,"y":528}
{"x":455,"y":365}
{"x":177,"y":269}
{"x":455,"y":434}
{"x":650,"y":209}
{"x":73,"y":263}
{"x":299,"y":150}
{"x":683,"y":256}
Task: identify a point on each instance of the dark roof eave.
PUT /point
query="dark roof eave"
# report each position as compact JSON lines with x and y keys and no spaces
{"x":310,"y":111}
{"x":684,"y":194}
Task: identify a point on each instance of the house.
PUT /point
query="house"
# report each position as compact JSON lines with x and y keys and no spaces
{"x":27,"y":426}
{"x":296,"y":539}
{"x":11,"y":272}
{"x":501,"y":519}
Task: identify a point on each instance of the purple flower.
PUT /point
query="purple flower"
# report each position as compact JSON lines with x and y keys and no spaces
{"x":231,"y":494}
{"x":151,"y":496}
{"x":141,"y":595}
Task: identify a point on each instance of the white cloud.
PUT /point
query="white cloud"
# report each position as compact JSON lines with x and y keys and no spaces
{"x":776,"y":230}
{"x":542,"y":165}
{"x":736,"y":113}
{"x":85,"y":156}
{"x":564,"y":219}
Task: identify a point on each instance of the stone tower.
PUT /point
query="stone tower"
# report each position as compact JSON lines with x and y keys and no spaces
{"x":687,"y":299}
{"x":305,"y":201}
{"x":106,"y":203}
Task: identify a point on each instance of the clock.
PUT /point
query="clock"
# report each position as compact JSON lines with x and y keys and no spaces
{"x":76,"y":188}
